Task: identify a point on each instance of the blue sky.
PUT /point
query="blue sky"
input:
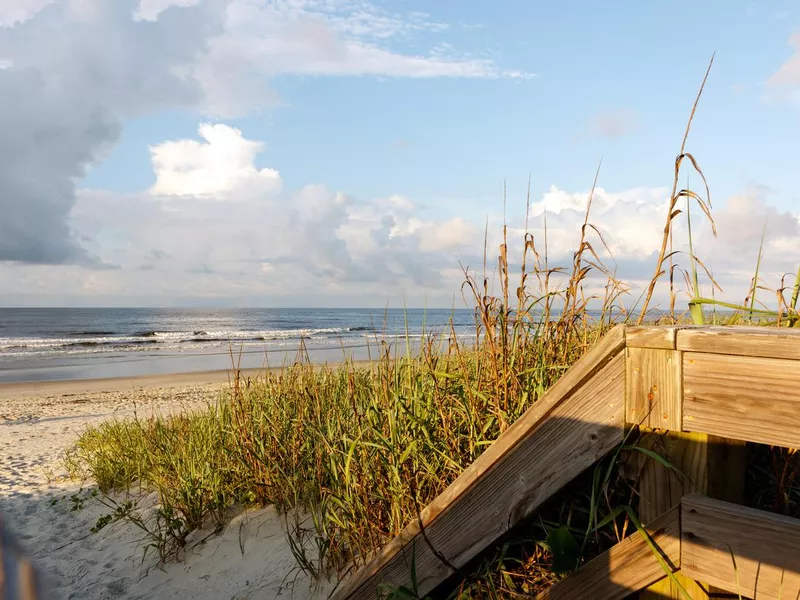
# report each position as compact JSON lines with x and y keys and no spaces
{"x":437,"y":138}
{"x":390,"y":129}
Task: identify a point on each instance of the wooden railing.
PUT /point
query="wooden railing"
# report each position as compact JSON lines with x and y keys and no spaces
{"x":712,"y":388}
{"x":740,"y":550}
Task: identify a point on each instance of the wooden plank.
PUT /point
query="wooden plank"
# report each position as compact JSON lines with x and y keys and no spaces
{"x":726,"y":466}
{"x":693,"y":454}
{"x":745,"y":398}
{"x":768,"y":342}
{"x":568,"y":440}
{"x":653,"y":400}
{"x":661,"y":490}
{"x":653,"y":388}
{"x":627,"y":567}
{"x":664,"y":337}
{"x":766,"y":548}
{"x":596,"y":359}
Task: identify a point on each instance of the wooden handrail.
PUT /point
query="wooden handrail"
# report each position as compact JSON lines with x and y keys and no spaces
{"x":738,"y":549}
{"x":738,"y":383}
{"x":627,"y":567}
{"x":574,"y":424}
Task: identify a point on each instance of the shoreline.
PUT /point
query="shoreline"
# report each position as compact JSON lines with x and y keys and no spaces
{"x":69,"y":387}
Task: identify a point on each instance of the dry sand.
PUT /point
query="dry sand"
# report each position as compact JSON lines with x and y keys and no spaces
{"x":250,"y":559}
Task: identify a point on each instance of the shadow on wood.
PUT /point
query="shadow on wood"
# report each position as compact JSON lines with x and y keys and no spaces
{"x":708,"y":382}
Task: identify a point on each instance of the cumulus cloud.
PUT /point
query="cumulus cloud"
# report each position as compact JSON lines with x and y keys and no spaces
{"x":741,"y":224}
{"x":629,"y":221}
{"x":211,"y":240}
{"x":74,"y":71}
{"x":227,"y":229}
{"x":79,"y":69}
{"x":631,"y":224}
{"x":215,"y":168}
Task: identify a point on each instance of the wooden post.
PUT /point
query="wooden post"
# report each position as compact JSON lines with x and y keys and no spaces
{"x":703,"y":464}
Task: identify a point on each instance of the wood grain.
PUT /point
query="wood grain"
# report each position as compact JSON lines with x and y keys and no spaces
{"x":745,"y":398}
{"x":653,"y":388}
{"x":766,"y":548}
{"x":595,"y":360}
{"x":663,"y":337}
{"x":627,"y":567}
{"x":661,"y":490}
{"x":565,"y":442}
{"x":768,"y":342}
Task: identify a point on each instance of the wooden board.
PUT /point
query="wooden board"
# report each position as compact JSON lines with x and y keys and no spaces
{"x":766,"y":548}
{"x":653,"y":388}
{"x":663,"y":337}
{"x":563,"y":443}
{"x":627,"y":567}
{"x":768,"y":342}
{"x":745,"y":398}
{"x":661,"y":490}
{"x":596,"y":359}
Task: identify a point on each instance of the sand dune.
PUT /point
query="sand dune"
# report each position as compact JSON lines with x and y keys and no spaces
{"x":250,"y":559}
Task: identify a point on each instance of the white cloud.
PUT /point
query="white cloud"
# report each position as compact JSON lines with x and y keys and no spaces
{"x":18,"y":11}
{"x":784,"y":83}
{"x":70,"y":88}
{"x":322,"y":38}
{"x":149,"y":10}
{"x":221,"y":165}
{"x":631,"y":223}
{"x":741,"y":224}
{"x":788,"y":74}
{"x":228,"y":231}
{"x":75,"y":71}
{"x":452,"y":234}
{"x":628,"y":220}
{"x":214,"y":242}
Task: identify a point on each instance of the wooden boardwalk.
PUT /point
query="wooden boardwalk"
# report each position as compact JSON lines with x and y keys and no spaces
{"x":709,"y":389}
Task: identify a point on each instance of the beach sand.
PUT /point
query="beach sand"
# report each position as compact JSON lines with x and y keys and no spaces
{"x":250,"y":559}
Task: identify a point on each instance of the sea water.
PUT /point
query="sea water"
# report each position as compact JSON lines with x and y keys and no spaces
{"x":39,"y":344}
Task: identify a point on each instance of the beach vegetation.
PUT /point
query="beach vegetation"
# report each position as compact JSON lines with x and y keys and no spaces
{"x":351,"y":453}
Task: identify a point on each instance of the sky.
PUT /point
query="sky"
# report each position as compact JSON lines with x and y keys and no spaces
{"x":351,"y":153}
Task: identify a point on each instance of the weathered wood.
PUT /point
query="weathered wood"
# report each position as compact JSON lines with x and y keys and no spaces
{"x":737,"y":383}
{"x":746,"y":398}
{"x":654,"y":401}
{"x":768,"y":342}
{"x":627,"y":567}
{"x":766,"y":548}
{"x":653,"y":388}
{"x":661,"y":490}
{"x":547,"y":454}
{"x":694,"y":455}
{"x":593,"y":361}
{"x":663,"y":337}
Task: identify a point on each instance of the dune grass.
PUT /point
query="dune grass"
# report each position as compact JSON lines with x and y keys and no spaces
{"x":351,"y":453}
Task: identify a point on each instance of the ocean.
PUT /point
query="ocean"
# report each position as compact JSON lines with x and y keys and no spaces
{"x":41,"y":344}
